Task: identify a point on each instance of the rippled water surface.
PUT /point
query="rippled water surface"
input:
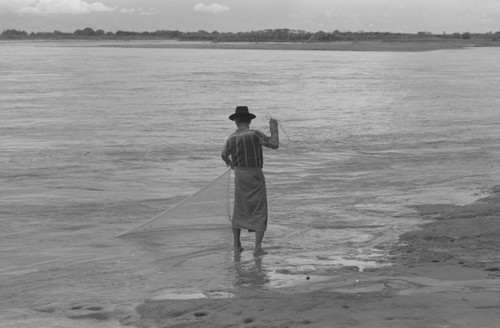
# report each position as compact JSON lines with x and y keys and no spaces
{"x":96,"y":140}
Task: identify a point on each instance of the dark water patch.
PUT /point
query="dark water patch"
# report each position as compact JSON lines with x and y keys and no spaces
{"x":102,"y":245}
{"x":78,"y":227}
{"x":21,"y":176}
{"x":79,"y":188}
{"x":93,"y":312}
{"x":344,"y":225}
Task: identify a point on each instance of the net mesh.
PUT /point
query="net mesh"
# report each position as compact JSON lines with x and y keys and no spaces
{"x":207,"y":208}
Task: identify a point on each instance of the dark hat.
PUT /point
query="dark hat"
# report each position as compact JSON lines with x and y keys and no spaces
{"x":241,"y":111}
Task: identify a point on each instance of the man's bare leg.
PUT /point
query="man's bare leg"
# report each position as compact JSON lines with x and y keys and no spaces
{"x":237,"y":242}
{"x":259,"y":236}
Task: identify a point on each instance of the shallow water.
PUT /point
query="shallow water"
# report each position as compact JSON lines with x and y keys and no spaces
{"x":97,"y":140}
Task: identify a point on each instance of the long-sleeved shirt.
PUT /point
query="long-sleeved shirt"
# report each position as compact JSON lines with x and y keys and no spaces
{"x":243,"y":148}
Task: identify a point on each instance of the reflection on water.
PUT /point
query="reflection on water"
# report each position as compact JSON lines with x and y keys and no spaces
{"x":249,"y":273}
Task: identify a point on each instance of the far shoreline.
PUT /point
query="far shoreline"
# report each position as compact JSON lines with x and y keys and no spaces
{"x":375,"y":45}
{"x":400,"y":46}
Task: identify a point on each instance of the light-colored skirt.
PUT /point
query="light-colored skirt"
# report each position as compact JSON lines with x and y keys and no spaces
{"x":250,"y":199}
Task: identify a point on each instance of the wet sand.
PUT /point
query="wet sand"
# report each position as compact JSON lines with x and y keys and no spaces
{"x":445,"y":275}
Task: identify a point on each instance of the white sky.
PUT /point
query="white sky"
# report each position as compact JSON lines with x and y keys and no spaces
{"x":411,"y":16}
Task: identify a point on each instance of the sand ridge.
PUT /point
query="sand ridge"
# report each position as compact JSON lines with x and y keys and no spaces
{"x":375,"y":45}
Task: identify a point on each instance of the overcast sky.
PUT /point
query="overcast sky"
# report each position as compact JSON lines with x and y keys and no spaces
{"x":411,"y":16}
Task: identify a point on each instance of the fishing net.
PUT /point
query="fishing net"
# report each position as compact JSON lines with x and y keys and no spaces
{"x":209,"y":208}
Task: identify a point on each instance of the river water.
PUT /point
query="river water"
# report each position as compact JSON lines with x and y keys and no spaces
{"x":96,"y":140}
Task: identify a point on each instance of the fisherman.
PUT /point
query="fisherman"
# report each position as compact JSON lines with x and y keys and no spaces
{"x":243,"y":153}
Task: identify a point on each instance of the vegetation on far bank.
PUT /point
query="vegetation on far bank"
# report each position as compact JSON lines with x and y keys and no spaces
{"x":268,"y":35}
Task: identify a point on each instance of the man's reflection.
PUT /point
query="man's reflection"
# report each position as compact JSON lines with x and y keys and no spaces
{"x":249,"y":273}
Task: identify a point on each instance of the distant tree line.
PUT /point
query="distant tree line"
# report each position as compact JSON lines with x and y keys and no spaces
{"x":268,"y":35}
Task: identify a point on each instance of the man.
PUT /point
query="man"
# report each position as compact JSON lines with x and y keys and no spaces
{"x":243,"y":153}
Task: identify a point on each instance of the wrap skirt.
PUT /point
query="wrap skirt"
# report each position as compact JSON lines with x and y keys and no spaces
{"x":250,"y":199}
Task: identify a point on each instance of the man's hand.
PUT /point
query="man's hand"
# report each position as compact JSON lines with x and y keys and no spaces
{"x":273,"y":124}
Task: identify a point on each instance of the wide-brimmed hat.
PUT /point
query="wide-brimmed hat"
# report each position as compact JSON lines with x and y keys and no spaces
{"x":241,"y":111}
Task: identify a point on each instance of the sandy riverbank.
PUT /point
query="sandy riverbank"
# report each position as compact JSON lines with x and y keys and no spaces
{"x":376,"y":45}
{"x":445,"y":275}
{"x":323,"y":46}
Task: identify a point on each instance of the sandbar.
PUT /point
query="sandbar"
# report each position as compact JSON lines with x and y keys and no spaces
{"x":400,"y":46}
{"x":447,"y":274}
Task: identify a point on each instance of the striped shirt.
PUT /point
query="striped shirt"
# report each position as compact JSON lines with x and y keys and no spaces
{"x":244,"y":148}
